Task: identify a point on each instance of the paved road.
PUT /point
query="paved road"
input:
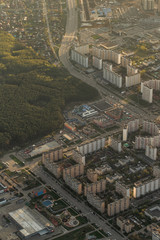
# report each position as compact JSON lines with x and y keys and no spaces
{"x":77,"y":204}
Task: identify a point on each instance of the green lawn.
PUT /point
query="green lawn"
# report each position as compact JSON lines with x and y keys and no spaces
{"x":97,"y":234}
{"x":58,"y":205}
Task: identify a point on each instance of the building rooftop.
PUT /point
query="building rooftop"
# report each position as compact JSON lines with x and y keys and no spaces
{"x":30,"y":221}
{"x":44,"y":148}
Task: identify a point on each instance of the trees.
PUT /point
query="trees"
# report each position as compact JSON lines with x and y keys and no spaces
{"x":33,"y":93}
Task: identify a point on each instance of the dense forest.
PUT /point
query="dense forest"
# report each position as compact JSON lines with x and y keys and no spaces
{"x":33,"y":93}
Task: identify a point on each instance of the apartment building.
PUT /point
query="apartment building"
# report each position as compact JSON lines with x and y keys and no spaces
{"x":92,"y":175}
{"x":73,"y":183}
{"x":92,"y":146}
{"x":125,"y":224}
{"x":96,"y":187}
{"x":74,"y":171}
{"x":53,"y":155}
{"x":118,"y":206}
{"x":78,"y":157}
{"x":96,"y":202}
{"x":123,"y":189}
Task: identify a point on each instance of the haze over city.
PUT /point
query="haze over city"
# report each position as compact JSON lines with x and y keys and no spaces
{"x":80,"y":119}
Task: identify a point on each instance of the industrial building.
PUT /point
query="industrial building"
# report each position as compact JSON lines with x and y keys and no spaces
{"x":112,"y":77}
{"x":123,"y":189}
{"x":97,"y":63}
{"x":141,"y":189}
{"x":132,"y":80}
{"x":96,"y":202}
{"x":53,"y":155}
{"x":96,"y":187}
{"x":118,"y":206}
{"x":79,"y":58}
{"x":73,"y":171}
{"x":92,"y":146}
{"x":69,"y":127}
{"x":151,"y":152}
{"x":73,"y":183}
{"x":31,"y":222}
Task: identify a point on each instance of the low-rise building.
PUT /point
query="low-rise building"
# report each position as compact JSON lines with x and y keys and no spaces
{"x":125,"y":224}
{"x":103,"y":169}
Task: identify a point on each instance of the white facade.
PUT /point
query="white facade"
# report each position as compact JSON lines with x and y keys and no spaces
{"x":131,"y":70}
{"x":79,"y":58}
{"x":116,"y":145}
{"x":151,"y":152}
{"x":123,"y":189}
{"x":82,"y":49}
{"x":147,"y":93}
{"x":148,"y":4}
{"x":125,"y":134}
{"x":104,"y":54}
{"x":150,"y":127}
{"x":125,"y":61}
{"x":133,"y":126}
{"x":91,"y":146}
{"x":112,"y":77}
{"x":97,"y":63}
{"x":141,"y":189}
{"x":132,"y":80}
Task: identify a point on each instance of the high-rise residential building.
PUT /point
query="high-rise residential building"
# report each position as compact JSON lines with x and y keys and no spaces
{"x":133,"y":126}
{"x":151,"y":152}
{"x":92,"y":146}
{"x":112,"y":77}
{"x":79,"y":58}
{"x":125,"y":133}
{"x":78,"y":157}
{"x":53,"y":155}
{"x":150,"y":127}
{"x":123,"y":189}
{"x":132,"y":80}
{"x":131,"y":71}
{"x":118,"y":206}
{"x":83,"y":49}
{"x":147,"y":93}
{"x":141,"y":189}
{"x":125,"y":61}
{"x":148,"y":4}
{"x":96,"y":187}
{"x":96,"y":202}
{"x":74,"y":170}
{"x":92,"y":175}
{"x":97,"y":63}
{"x":115,"y":144}
{"x":73,"y":183}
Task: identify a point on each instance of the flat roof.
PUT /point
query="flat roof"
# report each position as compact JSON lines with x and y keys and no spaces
{"x":44,"y":148}
{"x":31,"y":221}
